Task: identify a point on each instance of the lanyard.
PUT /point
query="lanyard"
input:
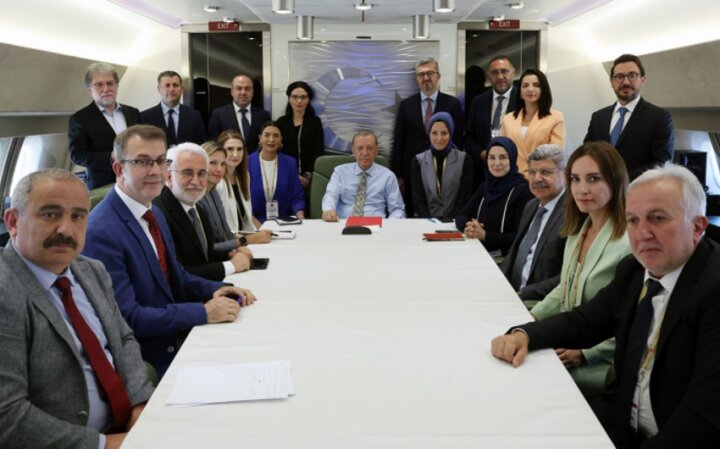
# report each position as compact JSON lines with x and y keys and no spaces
{"x":438,"y":186}
{"x":300,"y":172}
{"x":269,"y":187}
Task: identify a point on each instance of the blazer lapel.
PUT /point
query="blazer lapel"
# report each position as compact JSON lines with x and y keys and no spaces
{"x":635,"y":118}
{"x":593,"y":256}
{"x":101,"y":121}
{"x":178,"y":216}
{"x":555,"y":216}
{"x":139,"y":235}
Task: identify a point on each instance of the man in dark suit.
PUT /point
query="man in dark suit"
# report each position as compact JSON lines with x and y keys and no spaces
{"x":92,"y":129}
{"x":663,"y":310}
{"x":157,"y":297}
{"x":186,"y":184}
{"x":410,"y":136}
{"x":187,"y":123}
{"x":72,"y":374}
{"x":533,"y":263}
{"x":486,"y":112}
{"x":642,"y":132}
{"x":239,"y":115}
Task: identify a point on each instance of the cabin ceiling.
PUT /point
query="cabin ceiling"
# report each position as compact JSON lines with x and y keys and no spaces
{"x":343,"y":11}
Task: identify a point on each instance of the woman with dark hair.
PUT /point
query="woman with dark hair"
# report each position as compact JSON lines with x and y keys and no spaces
{"x":493,"y":213}
{"x":596,"y":242}
{"x":441,"y":176}
{"x":302,"y":130}
{"x":533,"y":123}
{"x":275,"y":189}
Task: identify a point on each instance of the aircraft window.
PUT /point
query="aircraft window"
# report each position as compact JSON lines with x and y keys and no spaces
{"x":37,"y":152}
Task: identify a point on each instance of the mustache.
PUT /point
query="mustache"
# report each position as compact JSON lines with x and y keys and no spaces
{"x":59,"y":239}
{"x":540,"y":185}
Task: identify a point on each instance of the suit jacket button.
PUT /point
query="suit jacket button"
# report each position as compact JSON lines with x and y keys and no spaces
{"x":82,"y":414}
{"x":171,"y":349}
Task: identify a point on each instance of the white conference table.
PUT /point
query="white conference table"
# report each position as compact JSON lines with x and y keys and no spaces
{"x":388,"y":337}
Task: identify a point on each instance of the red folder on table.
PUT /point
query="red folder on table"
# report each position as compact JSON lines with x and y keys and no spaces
{"x":363,"y":221}
{"x":443,"y":236}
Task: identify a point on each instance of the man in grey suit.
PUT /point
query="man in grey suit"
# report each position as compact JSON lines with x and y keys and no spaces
{"x":533,"y":263}
{"x":71,"y":375}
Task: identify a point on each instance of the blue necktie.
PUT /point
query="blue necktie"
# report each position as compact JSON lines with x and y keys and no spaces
{"x":617,"y":129}
{"x":171,"y":136}
{"x":498,"y":112}
{"x":245,"y":125}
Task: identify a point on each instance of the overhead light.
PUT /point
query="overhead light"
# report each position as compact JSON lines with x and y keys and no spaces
{"x":516,"y":5}
{"x":305,"y":28}
{"x":283,"y":6}
{"x":497,"y":18}
{"x":230,"y":19}
{"x":444,"y":6}
{"x":362,"y":6}
{"x":421,"y":26}
{"x":211,"y":8}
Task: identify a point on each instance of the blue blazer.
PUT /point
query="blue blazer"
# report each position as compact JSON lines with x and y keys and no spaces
{"x":155,"y":308}
{"x":190,"y":129}
{"x":289,"y":193}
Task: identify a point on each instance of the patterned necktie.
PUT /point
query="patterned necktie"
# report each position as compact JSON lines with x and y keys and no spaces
{"x":245,"y":126}
{"x":428,"y":113}
{"x":358,"y":209}
{"x":498,"y":112}
{"x":107,"y":377}
{"x":617,"y":129}
{"x":171,"y":136}
{"x":199,"y":230}
{"x":636,"y":344}
{"x":157,"y":238}
{"x":524,"y":248}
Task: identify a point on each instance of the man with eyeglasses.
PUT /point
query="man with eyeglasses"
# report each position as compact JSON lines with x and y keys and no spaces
{"x":180,"y":123}
{"x":157,"y":297}
{"x":640,"y":131}
{"x":185,"y":186}
{"x":92,"y":129}
{"x":487,"y":110}
{"x":533,"y":263}
{"x":240,"y":114}
{"x":411,"y":135}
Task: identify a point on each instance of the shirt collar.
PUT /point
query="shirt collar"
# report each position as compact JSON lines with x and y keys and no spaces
{"x":370,"y":171}
{"x":506,"y":94}
{"x":45,"y":277}
{"x":165,"y":108}
{"x":425,"y":97}
{"x":136,"y":209}
{"x":118,"y":107}
{"x":669,"y":280}
{"x":550,"y":206}
{"x":630,"y":106}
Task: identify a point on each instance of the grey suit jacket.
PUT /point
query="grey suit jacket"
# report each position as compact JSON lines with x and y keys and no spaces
{"x":547,"y":262}
{"x":43,"y":394}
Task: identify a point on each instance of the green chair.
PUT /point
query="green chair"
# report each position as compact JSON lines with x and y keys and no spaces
{"x":96,"y":195}
{"x":324,"y":166}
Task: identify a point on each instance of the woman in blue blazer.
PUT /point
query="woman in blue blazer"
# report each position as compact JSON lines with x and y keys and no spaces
{"x":274,"y":183}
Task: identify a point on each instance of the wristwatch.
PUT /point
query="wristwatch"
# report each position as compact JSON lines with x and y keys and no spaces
{"x":243,"y":240}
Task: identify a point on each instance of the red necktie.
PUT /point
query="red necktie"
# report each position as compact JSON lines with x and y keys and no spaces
{"x":428,"y":114}
{"x":157,"y":238}
{"x":106,"y":375}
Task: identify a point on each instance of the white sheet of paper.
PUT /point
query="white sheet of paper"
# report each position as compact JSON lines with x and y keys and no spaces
{"x":230,"y":383}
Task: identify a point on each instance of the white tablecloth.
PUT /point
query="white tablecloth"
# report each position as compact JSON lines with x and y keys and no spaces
{"x":388,"y":337}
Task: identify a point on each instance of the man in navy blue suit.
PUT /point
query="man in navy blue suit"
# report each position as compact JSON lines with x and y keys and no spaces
{"x":486,"y":112}
{"x":187,"y":124}
{"x":640,"y":131}
{"x":240,"y":115}
{"x":157,"y":297}
{"x":410,"y":137}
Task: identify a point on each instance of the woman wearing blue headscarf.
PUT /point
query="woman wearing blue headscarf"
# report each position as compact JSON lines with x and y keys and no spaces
{"x":493,"y":213}
{"x":441,"y":176}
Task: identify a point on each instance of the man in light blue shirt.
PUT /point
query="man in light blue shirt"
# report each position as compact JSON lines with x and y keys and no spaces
{"x":362,"y":188}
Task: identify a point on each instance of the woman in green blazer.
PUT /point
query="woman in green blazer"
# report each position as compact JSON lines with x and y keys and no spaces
{"x":596,"y":242}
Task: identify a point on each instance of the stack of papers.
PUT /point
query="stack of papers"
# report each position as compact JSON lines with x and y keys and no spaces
{"x":231,"y":383}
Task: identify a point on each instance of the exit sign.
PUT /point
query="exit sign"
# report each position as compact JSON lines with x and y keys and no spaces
{"x":504,"y":24}
{"x":223,"y":26}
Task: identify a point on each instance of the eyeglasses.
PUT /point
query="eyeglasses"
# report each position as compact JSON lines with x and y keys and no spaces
{"x":543,"y":172}
{"x":298,"y":97}
{"x":619,"y":77}
{"x":109,"y":84}
{"x":428,"y":74}
{"x":148,"y":163}
{"x":188,"y":174}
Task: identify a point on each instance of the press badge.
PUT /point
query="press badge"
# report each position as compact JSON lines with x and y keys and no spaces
{"x":494,"y":133}
{"x":271,"y":210}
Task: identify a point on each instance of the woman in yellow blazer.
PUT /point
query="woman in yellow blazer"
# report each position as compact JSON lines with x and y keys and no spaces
{"x":596,"y":242}
{"x":533,"y":123}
